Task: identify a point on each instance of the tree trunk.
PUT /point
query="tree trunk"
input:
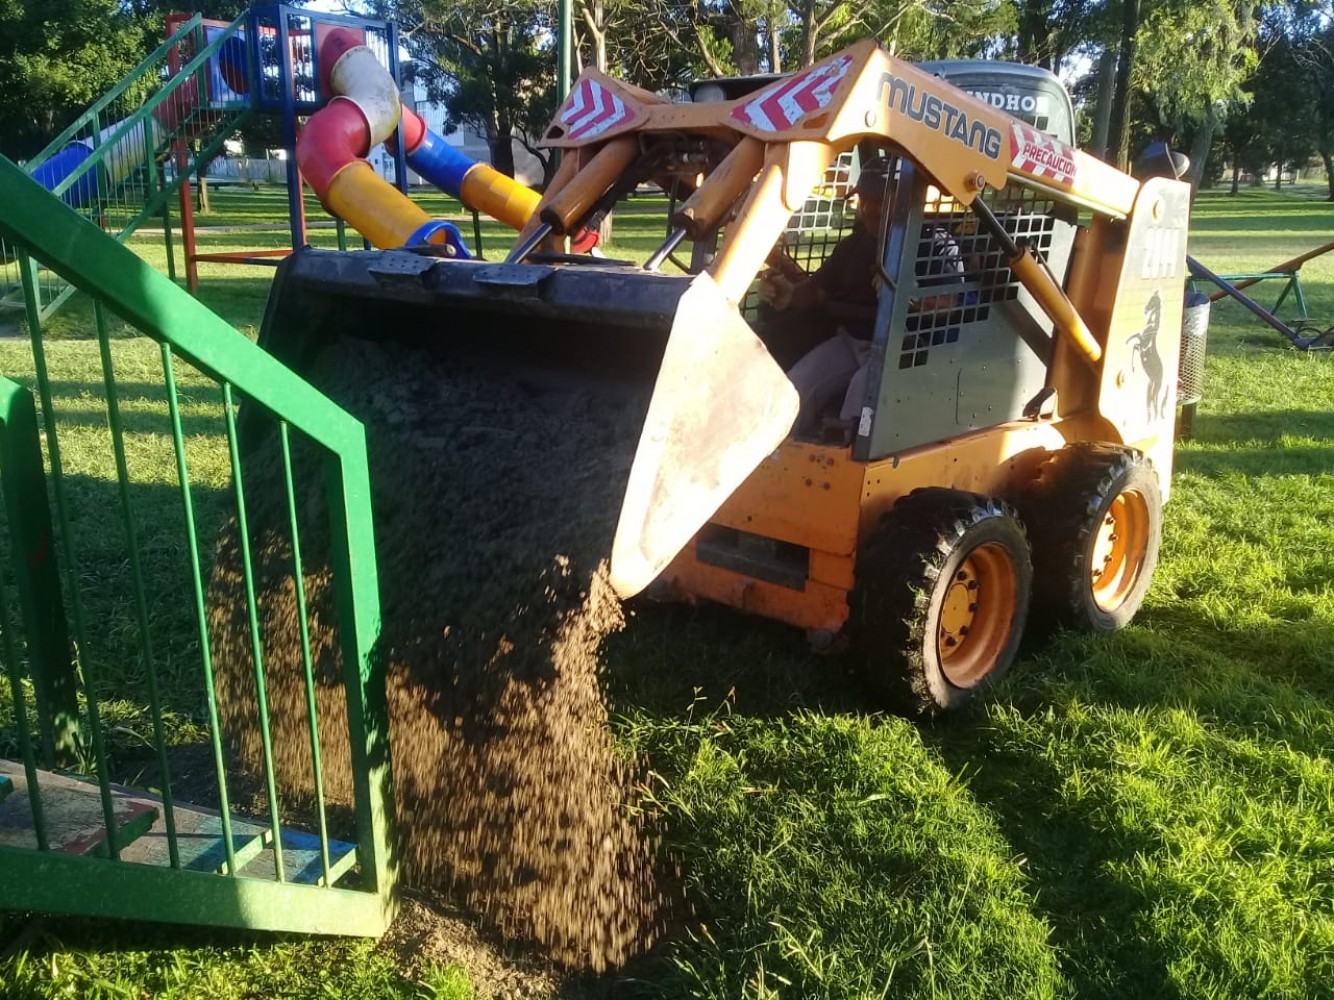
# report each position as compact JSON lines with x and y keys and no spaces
{"x":1199,"y":150}
{"x":1327,"y":156}
{"x":1118,"y":144}
{"x":775,"y":49}
{"x":745,"y":42}
{"x":1035,"y":42}
{"x":808,"y":32}
{"x":201,"y":195}
{"x":595,"y":17}
{"x":501,"y":142}
{"x":1236,"y":177}
{"x":1102,"y":114}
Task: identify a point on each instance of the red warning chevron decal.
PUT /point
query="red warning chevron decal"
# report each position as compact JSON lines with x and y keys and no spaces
{"x":593,"y":109}
{"x":787,"y":102}
{"x":1042,"y":155}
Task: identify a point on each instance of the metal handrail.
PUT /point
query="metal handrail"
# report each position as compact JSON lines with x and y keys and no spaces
{"x":51,"y":233}
{"x":92,"y":111}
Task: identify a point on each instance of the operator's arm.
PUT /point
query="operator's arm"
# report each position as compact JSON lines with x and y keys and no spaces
{"x":787,"y":286}
{"x":808,"y":294}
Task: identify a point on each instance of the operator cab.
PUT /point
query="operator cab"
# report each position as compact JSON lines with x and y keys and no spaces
{"x":957,"y":343}
{"x":1029,"y":93}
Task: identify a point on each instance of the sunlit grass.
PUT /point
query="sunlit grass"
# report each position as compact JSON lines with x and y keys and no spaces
{"x":1138,"y":815}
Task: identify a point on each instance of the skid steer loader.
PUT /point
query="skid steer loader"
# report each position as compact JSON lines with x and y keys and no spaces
{"x":1012,"y":447}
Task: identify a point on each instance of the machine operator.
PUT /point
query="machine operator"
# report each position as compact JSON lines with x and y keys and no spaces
{"x":846,"y":289}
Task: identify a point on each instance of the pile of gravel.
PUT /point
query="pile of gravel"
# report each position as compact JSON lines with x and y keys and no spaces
{"x":496,"y":494}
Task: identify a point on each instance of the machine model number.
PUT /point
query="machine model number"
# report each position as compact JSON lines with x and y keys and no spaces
{"x":1162,"y":252}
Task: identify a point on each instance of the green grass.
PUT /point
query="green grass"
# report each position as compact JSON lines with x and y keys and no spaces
{"x":1148,"y":814}
{"x":95,"y":962}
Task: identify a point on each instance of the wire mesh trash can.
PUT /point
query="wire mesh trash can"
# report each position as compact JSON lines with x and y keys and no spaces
{"x":1194,"y":337}
{"x":1190,"y":374}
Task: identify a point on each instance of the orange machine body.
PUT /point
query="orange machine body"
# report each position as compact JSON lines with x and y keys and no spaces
{"x":1110,"y":370}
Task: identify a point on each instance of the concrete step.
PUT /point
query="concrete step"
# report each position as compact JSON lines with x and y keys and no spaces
{"x":199,"y":840}
{"x":72,"y":814}
{"x":72,"y":810}
{"x":301,"y":859}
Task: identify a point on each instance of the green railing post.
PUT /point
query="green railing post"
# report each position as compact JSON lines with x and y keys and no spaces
{"x":33,"y":544}
{"x":137,"y":576}
{"x":82,"y":662}
{"x":165,"y":192}
{"x":357,"y":586}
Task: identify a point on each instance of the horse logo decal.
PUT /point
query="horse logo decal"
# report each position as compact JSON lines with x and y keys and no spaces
{"x":1145,"y":347}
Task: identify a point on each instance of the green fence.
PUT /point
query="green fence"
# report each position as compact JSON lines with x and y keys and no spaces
{"x":120,"y":463}
{"x":146,"y":136}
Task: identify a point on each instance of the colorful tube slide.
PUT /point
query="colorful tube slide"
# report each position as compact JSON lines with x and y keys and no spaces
{"x":365,"y":112}
{"x":128,"y":151}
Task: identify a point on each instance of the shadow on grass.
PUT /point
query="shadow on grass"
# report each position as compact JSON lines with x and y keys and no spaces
{"x":1261,"y":426}
{"x":1273,"y":687}
{"x":673,"y":657}
{"x":115,"y":632}
{"x":1095,"y":918}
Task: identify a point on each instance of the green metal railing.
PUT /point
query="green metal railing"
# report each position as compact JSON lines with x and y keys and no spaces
{"x":116,"y":419}
{"x":147,"y":135}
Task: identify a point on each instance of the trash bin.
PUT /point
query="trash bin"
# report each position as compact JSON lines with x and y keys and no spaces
{"x":1194,"y":337}
{"x":1190,"y":373}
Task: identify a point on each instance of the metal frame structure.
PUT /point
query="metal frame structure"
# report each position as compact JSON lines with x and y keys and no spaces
{"x":120,"y":127}
{"x":283,"y":74}
{"x":48,"y":874}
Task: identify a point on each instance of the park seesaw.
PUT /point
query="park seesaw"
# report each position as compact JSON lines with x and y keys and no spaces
{"x":1304,"y":335}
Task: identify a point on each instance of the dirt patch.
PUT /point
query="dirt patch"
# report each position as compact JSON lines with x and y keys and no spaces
{"x":431,"y":932}
{"x":496,"y":494}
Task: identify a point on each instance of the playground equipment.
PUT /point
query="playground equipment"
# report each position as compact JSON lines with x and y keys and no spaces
{"x":365,"y":112}
{"x":1305,"y":336}
{"x":1289,"y":272}
{"x":122,"y":147}
{"x":115,"y":162}
{"x":1038,"y":400}
{"x":296,"y":55}
{"x":268,"y":61}
{"x":273,"y":64}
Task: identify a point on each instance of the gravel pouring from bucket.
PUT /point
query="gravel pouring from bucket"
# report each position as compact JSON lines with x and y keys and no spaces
{"x":506,"y":408}
{"x":720,"y":402}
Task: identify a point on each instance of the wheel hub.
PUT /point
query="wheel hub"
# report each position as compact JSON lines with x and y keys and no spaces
{"x":1119,"y":550}
{"x":976,"y":615}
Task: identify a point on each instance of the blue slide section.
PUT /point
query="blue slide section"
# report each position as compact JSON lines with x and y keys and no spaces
{"x":440,"y":163}
{"x":60,"y":166}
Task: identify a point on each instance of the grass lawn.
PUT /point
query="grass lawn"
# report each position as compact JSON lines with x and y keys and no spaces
{"x":1147,"y":814}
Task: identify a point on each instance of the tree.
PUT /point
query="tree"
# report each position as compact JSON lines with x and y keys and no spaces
{"x":819,"y":21}
{"x":1321,"y":69}
{"x":1048,"y":31}
{"x":1191,"y":93}
{"x":56,"y":58}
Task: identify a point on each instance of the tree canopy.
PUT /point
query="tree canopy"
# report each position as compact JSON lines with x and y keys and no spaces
{"x":57,"y":57}
{"x":1251,"y":81}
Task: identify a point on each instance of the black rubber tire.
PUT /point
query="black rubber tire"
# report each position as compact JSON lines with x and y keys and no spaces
{"x":908,"y":576}
{"x":1071,"y":504}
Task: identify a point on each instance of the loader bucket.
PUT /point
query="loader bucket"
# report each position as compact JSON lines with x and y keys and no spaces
{"x":672,"y":348}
